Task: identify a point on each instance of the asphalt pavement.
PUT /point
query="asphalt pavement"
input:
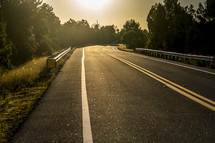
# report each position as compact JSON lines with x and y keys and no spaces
{"x":131,"y":98}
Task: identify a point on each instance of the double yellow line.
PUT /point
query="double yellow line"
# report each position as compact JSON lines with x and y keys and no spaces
{"x":186,"y":92}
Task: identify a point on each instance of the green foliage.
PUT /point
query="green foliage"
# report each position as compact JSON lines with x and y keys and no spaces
{"x":108,"y":34}
{"x":47,"y":30}
{"x":5,"y":48}
{"x":33,"y":30}
{"x":45,"y":46}
{"x":129,"y":38}
{"x":76,"y":33}
{"x":182,"y":29}
{"x":20,"y":31}
{"x":132,"y":25}
{"x":133,"y":36}
{"x":32,"y":27}
{"x":210,"y":12}
{"x":68,"y":33}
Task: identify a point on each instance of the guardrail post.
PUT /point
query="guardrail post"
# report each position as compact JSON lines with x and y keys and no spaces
{"x":52,"y":62}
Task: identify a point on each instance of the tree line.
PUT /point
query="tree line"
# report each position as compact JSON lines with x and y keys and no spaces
{"x":30,"y":28}
{"x":173,"y":27}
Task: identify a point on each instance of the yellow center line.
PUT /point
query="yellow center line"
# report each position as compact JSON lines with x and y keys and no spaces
{"x":186,"y":92}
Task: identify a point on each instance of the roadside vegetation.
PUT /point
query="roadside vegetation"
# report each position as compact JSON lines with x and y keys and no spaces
{"x":20,"y":89}
{"x":22,"y":76}
{"x":175,"y":28}
{"x":188,"y":30}
{"x":30,"y":29}
{"x":124,"y":48}
{"x":30,"y":32}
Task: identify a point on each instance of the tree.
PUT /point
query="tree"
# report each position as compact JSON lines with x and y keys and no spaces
{"x":182,"y":29}
{"x":34,"y":30}
{"x":132,"y":25}
{"x":158,"y":26}
{"x":129,"y":38}
{"x":5,"y":47}
{"x":168,"y":24}
{"x":68,"y":33}
{"x":173,"y":8}
{"x":200,"y":36}
{"x":96,"y":33}
{"x":18,"y":16}
{"x":133,"y":36}
{"x":83,"y":32}
{"x":47,"y":30}
{"x":211,"y":9}
{"x":176,"y":38}
{"x":108,"y":34}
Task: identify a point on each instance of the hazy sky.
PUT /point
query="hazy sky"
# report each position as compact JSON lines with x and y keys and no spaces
{"x":108,"y":12}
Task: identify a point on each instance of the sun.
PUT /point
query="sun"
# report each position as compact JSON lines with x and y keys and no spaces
{"x":93,"y":4}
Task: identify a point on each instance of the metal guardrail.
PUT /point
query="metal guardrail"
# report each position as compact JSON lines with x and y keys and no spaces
{"x":179,"y":55}
{"x":52,"y":62}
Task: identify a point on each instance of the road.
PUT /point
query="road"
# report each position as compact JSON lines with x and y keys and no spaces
{"x":105,"y":95}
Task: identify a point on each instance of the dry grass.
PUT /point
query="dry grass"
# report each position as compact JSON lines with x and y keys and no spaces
{"x":124,"y":48}
{"x":16,"y":109}
{"x":22,"y":76}
{"x":20,"y":89}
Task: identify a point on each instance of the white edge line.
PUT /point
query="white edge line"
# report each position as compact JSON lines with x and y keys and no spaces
{"x":87,"y":132}
{"x":144,"y":56}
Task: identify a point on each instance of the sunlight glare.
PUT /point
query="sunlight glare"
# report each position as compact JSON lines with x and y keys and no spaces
{"x":93,"y":4}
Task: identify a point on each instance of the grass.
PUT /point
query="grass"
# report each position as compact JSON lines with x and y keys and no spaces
{"x":124,"y":48}
{"x":20,"y":91}
{"x":22,"y":76}
{"x":16,"y":108}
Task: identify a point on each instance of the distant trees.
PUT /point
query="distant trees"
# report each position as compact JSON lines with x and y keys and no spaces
{"x":182,"y":29}
{"x":68,"y":33}
{"x":78,"y":33}
{"x":108,"y":34}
